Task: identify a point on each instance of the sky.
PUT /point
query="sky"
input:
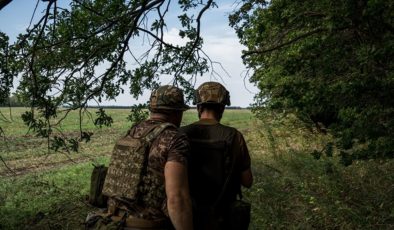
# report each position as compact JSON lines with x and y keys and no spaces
{"x":220,"y":43}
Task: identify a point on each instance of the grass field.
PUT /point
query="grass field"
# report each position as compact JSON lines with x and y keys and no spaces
{"x":292,"y":190}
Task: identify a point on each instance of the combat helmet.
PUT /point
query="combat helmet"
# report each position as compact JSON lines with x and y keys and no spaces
{"x":167,"y":97}
{"x":211,"y":93}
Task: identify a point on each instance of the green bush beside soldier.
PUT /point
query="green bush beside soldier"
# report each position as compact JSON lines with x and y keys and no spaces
{"x":150,"y":192}
{"x":219,"y":164}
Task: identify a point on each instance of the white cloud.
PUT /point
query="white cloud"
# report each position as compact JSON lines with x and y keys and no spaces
{"x":172,"y":37}
{"x":222,"y":46}
{"x":227,"y":50}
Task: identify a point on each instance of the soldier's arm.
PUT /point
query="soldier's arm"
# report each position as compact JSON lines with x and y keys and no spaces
{"x":178,"y":197}
{"x":246,"y":172}
{"x":247,"y":178}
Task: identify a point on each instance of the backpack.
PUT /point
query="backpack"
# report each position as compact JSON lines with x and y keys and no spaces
{"x":211,"y":164}
{"x":209,"y":167}
{"x":213,"y":185}
{"x":129,"y":162}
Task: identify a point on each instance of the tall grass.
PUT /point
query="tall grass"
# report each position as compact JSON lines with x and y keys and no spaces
{"x":293,"y":190}
{"x":58,"y":197}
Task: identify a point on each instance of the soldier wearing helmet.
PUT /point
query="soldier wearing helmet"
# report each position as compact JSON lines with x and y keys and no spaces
{"x":219,"y":163}
{"x":160,"y":193}
{"x":168,"y":156}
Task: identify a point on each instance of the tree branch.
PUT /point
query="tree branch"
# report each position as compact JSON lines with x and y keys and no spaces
{"x":3,"y":3}
{"x":157,"y":38}
{"x":198,"y":38}
{"x":305,"y":35}
{"x":123,"y":50}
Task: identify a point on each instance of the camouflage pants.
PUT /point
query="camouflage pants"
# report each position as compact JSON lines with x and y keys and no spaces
{"x":100,"y":222}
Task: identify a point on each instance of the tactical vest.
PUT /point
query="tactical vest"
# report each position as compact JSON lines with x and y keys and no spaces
{"x":128,"y":167}
{"x":210,"y":163}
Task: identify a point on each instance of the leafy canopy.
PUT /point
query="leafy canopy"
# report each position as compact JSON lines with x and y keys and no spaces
{"x":329,"y":62}
{"x":81,"y":53}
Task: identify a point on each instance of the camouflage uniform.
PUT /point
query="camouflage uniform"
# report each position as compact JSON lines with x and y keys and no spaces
{"x":212,"y":93}
{"x":170,"y":145}
{"x":167,"y":97}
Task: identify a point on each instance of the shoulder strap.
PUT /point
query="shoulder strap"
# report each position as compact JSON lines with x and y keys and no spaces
{"x":149,"y":137}
{"x":151,"y":133}
{"x":156,"y":130}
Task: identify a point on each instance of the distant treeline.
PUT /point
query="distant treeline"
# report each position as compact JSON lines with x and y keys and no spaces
{"x":15,"y":102}
{"x":129,"y":107}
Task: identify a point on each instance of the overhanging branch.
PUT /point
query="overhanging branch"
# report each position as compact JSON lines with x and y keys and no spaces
{"x":198,"y":37}
{"x":3,"y":3}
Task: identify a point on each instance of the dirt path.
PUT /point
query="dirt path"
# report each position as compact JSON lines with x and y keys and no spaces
{"x":41,"y":164}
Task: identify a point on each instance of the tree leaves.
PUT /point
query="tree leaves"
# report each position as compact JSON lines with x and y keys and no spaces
{"x":86,"y":52}
{"x":138,"y":113}
{"x":102,"y":118}
{"x":329,"y":63}
{"x":8,"y":68}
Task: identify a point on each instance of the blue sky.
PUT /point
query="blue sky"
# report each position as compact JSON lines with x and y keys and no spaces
{"x":220,"y":43}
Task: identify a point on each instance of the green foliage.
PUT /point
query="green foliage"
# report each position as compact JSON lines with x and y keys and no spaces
{"x":65,"y":144}
{"x":13,"y":101}
{"x":29,"y":150}
{"x":77,"y":54}
{"x":103,"y":118}
{"x":37,"y":125}
{"x":31,"y":198}
{"x":293,"y":190}
{"x":138,"y":113}
{"x":329,"y":63}
{"x":8,"y":69}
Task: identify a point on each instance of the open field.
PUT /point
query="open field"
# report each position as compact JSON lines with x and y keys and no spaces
{"x":25,"y":153}
{"x":292,"y":190}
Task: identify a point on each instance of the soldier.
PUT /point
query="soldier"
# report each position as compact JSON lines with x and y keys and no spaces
{"x":219,"y":164}
{"x":151,"y":192}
